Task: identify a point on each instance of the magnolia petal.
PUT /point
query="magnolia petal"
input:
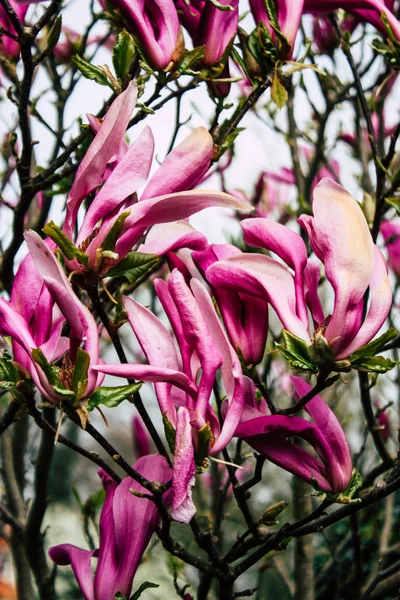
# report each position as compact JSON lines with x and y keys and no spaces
{"x":198,"y":337}
{"x":107,"y":563}
{"x":288,"y":245}
{"x":149,"y":373}
{"x":135,"y":520}
{"x":231,"y":369}
{"x":130,"y":174}
{"x":184,"y":167}
{"x":171,"y":237}
{"x":158,"y":346}
{"x":80,"y":561}
{"x":340,"y":236}
{"x":184,"y":469}
{"x":170,"y":208}
{"x":264,"y":278}
{"x":312,"y":275}
{"x":104,"y":146}
{"x":381,"y":302}
{"x":289,"y":427}
{"x":31,"y":300}
{"x":140,"y":437}
{"x":339,"y":471}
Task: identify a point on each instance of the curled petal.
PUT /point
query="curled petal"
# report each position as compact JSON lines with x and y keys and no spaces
{"x":340,"y":470}
{"x":340,"y":237}
{"x":184,"y":469}
{"x":184,"y":167}
{"x":288,"y":245}
{"x":381,"y":301}
{"x":101,"y":150}
{"x":80,"y":560}
{"x":264,"y":278}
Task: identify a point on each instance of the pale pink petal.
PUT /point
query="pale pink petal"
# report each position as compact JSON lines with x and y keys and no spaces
{"x":183,"y":508}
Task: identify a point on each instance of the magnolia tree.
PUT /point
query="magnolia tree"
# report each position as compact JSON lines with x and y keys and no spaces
{"x":258,"y":378}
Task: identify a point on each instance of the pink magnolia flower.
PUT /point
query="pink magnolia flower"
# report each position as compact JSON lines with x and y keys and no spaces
{"x":127,"y":523}
{"x":390,"y":231}
{"x":340,"y":238}
{"x":184,"y":382}
{"x":288,"y":14}
{"x":209,"y":26}
{"x":28,"y":319}
{"x":268,"y":434}
{"x":155,"y":25}
{"x":8,"y":46}
{"x":164,"y":199}
{"x":366,"y":10}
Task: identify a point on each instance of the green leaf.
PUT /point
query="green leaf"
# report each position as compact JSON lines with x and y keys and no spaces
{"x":119,"y":596}
{"x":356,"y":482}
{"x":170,"y":433}
{"x":64,"y":243}
{"x":296,"y":352}
{"x":80,"y":376}
{"x":229,"y":141}
{"x":374,"y":364}
{"x":54,"y":34}
{"x":394,"y":202}
{"x":90,"y":71}
{"x":114,"y":233}
{"x":123,"y":53}
{"x":112,"y":396}
{"x":203,"y":446}
{"x":134,"y":266}
{"x":50,"y":371}
{"x":279,"y":94}
{"x":190,"y":57}
{"x":145,"y":586}
{"x":374,"y":347}
{"x":9,"y":373}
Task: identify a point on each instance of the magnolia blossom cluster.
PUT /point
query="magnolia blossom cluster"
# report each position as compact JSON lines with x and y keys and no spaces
{"x":157,"y":28}
{"x":216,"y":299}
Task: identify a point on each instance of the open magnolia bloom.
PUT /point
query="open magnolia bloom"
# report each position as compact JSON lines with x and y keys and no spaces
{"x":270,"y":435}
{"x":127,"y":523}
{"x":40,"y":286}
{"x":184,"y":382}
{"x":116,"y":221}
{"x":340,"y":238}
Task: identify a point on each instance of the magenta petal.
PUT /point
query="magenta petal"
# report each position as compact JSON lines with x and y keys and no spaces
{"x":381,"y":301}
{"x":198,"y":337}
{"x":140,"y":438}
{"x":130,"y":174}
{"x":264,"y":278}
{"x":288,"y":245}
{"x":184,"y":167}
{"x":135,"y":520}
{"x":107,"y":563}
{"x":312,"y":275}
{"x":171,"y":237}
{"x":149,"y":373}
{"x":30,"y":298}
{"x":158,"y":346}
{"x":184,"y":469}
{"x":340,"y":470}
{"x":104,"y":146}
{"x":80,"y":560}
{"x":231,"y":369}
{"x":391,"y":234}
{"x":340,"y":236}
